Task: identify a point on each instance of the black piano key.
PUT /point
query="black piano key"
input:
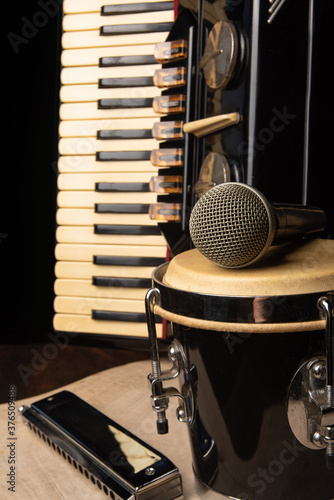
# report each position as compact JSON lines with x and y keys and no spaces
{"x":125,"y":187}
{"x":170,"y":77}
{"x":123,"y":155}
{"x":145,"y":102}
{"x":125,"y":134}
{"x":135,"y":8}
{"x":171,"y":51}
{"x":168,"y":211}
{"x":121,"y":316}
{"x":125,"y":229}
{"x":110,"y":260}
{"x":130,"y":29}
{"x":167,"y":157}
{"x":121,"y":208}
{"x":115,"y":83}
{"x":167,"y":130}
{"x":164,"y":185}
{"x":122,"y":282}
{"x":107,"y":62}
{"x":171,"y":103}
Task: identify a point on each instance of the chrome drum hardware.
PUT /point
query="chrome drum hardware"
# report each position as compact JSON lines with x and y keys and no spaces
{"x":311,"y":395}
{"x":180,"y":365}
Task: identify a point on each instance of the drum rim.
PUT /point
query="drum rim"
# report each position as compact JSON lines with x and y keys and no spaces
{"x":238,"y":311}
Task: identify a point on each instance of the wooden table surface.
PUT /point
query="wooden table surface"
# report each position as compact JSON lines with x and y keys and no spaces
{"x":123,"y":394}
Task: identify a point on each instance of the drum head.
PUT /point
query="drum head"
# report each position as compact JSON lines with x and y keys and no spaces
{"x":285,"y":270}
{"x":279,"y":294}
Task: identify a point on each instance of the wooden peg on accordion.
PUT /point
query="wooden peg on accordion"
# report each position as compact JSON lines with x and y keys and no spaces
{"x":207,"y":126}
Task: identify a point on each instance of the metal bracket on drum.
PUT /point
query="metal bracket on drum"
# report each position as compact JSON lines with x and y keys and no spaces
{"x":311,"y":395}
{"x":161,"y":395}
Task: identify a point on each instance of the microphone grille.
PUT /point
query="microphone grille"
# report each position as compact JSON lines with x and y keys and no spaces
{"x":231,"y":224}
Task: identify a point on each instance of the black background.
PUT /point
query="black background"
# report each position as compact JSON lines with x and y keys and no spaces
{"x":28,"y":173}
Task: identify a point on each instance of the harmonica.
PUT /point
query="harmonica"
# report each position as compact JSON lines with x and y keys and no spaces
{"x":120,"y":464}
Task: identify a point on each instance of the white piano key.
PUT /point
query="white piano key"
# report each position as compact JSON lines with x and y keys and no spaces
{"x":94,"y":20}
{"x":91,"y":92}
{"x":85,"y":270}
{"x":90,"y":111}
{"x":85,"y":252}
{"x":90,"y":145}
{"x":77,"y":164}
{"x":90,"y":128}
{"x":88,"y":39}
{"x":85,"y":288}
{"x":79,"y":182}
{"x":87,"y":217}
{"x":85,"y":324}
{"x":85,"y":234}
{"x":85,"y":305}
{"x":91,"y":56}
{"x":78,"y":6}
{"x":92,"y":74}
{"x":88,"y":199}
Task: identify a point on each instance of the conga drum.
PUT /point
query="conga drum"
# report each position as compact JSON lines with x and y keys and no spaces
{"x":252,"y":350}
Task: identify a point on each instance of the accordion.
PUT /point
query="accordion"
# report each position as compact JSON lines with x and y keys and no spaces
{"x":159,"y":100}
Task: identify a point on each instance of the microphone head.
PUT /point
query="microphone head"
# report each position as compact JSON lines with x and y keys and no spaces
{"x":232,"y":225}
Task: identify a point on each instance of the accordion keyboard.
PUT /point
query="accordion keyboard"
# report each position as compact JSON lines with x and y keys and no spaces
{"x":106,"y":243}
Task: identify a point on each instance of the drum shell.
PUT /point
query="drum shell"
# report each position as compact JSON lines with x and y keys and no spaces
{"x":241,"y":440}
{"x":241,"y":384}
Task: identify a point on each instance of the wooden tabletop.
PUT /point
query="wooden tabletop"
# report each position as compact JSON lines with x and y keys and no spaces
{"x":123,"y":394}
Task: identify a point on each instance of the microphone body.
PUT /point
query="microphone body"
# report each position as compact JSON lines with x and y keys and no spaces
{"x":296,"y":221}
{"x":233,"y":224}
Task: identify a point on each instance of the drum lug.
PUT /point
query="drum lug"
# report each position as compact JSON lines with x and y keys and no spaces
{"x":160,"y":394}
{"x":320,"y":414}
{"x":327,"y":425}
{"x":311,"y":401}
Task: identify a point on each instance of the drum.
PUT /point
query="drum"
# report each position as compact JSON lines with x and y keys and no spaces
{"x":253,"y":352}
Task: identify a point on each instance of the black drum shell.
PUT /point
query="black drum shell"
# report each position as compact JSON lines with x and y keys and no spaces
{"x":241,"y":391}
{"x":242,"y":443}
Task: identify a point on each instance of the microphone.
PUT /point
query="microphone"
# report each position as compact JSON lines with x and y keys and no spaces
{"x":233,"y":224}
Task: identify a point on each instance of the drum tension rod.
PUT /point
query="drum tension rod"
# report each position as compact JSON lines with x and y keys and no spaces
{"x":153,"y":297}
{"x":326,"y":304}
{"x":161,"y":395}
